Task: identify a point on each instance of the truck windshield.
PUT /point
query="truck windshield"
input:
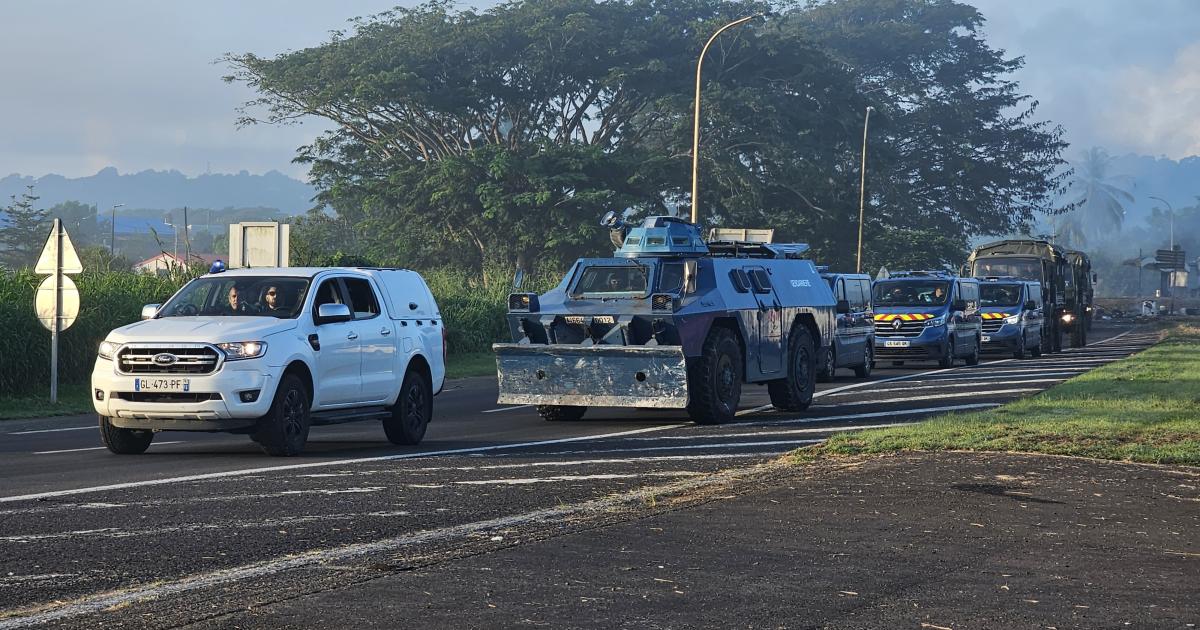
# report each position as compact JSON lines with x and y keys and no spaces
{"x":911,"y":293}
{"x":612,"y":281}
{"x":1026,"y":268}
{"x":240,"y":296}
{"x":1000,"y":294}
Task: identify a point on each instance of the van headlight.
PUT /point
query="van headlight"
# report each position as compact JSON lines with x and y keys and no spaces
{"x":1012,"y":319}
{"x":238,"y":350}
{"x":108,"y":349}
{"x":935,"y":322}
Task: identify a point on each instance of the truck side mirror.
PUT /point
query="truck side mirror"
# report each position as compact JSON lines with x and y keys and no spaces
{"x":1031,"y":305}
{"x":843,"y":307}
{"x":332,"y":313}
{"x":150,"y":310}
{"x":958,"y":305}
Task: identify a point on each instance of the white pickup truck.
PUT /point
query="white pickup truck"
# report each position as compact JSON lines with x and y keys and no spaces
{"x":270,"y":352}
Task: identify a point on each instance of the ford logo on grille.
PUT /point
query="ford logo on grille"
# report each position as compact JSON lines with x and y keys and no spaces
{"x":896,"y":324}
{"x":165,"y":358}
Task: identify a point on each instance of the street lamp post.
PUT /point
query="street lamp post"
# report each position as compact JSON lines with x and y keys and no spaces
{"x":112,"y":242}
{"x":1171,"y":216}
{"x":862,"y":190}
{"x":696,"y":114}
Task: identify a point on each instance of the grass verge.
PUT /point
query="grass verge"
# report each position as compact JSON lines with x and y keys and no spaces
{"x":72,"y":400}
{"x":471,"y":364}
{"x":1145,"y":409}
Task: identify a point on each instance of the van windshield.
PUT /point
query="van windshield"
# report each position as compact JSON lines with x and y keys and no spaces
{"x":612,"y":281}
{"x":1000,"y":294}
{"x":239,"y":296}
{"x":911,"y":293}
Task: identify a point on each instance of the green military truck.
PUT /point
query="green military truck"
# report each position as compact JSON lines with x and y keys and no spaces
{"x":1037,"y":260}
{"x":1080,"y":296}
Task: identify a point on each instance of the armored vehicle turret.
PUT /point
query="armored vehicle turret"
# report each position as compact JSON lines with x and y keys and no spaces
{"x":670,"y":321}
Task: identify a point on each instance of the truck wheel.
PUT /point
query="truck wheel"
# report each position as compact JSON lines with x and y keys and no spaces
{"x":795,"y":393}
{"x":947,"y":361}
{"x":864,"y":370}
{"x":973,"y":358}
{"x":1019,"y":351}
{"x":411,"y":414}
{"x":1056,"y":340}
{"x":1036,"y":351}
{"x":1078,"y":335}
{"x":715,"y":379}
{"x":561,"y":413}
{"x":124,"y":441}
{"x":828,"y":366}
{"x":284,"y":430}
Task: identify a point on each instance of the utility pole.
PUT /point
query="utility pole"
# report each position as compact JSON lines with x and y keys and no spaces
{"x":112,"y":241}
{"x":187,"y":242}
{"x":862,"y":190}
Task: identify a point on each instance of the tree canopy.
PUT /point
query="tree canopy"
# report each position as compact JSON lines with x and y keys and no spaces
{"x":500,"y":136}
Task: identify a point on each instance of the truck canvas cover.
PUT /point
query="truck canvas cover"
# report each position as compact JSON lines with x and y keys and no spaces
{"x":1040,"y":249}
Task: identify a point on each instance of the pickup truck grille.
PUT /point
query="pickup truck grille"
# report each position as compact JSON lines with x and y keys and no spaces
{"x":907,"y":329}
{"x":188,"y":360}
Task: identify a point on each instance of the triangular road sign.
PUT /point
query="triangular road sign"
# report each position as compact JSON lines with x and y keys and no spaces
{"x":49,"y":259}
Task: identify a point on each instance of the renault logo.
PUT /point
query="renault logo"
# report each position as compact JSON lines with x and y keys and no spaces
{"x":896,"y":324}
{"x":165,"y":358}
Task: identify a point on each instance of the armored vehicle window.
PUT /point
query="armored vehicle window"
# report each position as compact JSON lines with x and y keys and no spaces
{"x":1028,"y":268}
{"x":670,"y":278}
{"x":911,"y":293}
{"x":597,"y":280}
{"x":362,"y":298}
{"x":1000,"y":294}
{"x":760,"y":281}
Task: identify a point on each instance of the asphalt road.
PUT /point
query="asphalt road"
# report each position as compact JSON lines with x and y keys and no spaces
{"x":209,"y":517}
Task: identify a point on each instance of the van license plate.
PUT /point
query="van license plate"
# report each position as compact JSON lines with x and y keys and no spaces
{"x":162,"y":384}
{"x":895,"y":344}
{"x":986,"y":338}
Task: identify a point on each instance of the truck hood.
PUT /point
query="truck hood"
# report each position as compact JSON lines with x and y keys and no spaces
{"x":201,"y":329}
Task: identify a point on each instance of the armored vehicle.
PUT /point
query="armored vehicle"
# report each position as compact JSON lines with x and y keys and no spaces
{"x":854,"y":335}
{"x":927,"y":315}
{"x":1080,"y":297}
{"x":670,"y":321}
{"x":1031,"y":259}
{"x":1011,"y":309}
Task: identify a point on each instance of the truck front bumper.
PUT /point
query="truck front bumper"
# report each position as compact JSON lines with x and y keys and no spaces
{"x":932,"y":344}
{"x":213,"y":402}
{"x":592,"y":376}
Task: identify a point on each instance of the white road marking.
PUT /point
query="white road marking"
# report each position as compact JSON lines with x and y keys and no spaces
{"x":96,"y":448}
{"x":561,"y":478}
{"x":908,"y":389}
{"x":978,"y":394}
{"x":758,"y":433}
{"x":786,"y":444}
{"x":873,"y":414}
{"x":507,"y":408}
{"x":101,"y":601}
{"x":586,"y":462}
{"x":325,"y":464}
{"x":52,"y":430}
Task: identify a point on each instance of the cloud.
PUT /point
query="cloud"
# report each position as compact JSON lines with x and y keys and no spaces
{"x":1152,"y":110}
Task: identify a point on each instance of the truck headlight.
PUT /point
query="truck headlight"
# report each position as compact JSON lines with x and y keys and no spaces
{"x":935,"y":322}
{"x":108,"y":349}
{"x":239,"y":350}
{"x":1012,"y":319}
{"x":1068,"y":318}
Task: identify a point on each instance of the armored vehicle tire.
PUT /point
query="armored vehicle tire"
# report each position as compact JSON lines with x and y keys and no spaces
{"x":973,"y":358}
{"x":795,"y":393}
{"x":560,"y":413}
{"x":828,"y":367}
{"x":715,"y":379}
{"x":284,"y":430}
{"x":868,"y":364}
{"x":410,"y":415}
{"x":124,"y":441}
{"x":947,"y":360}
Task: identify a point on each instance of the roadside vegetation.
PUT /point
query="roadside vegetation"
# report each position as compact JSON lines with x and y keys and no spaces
{"x":1141,"y":409}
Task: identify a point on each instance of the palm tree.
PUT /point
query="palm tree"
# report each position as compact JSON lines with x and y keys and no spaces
{"x":1098,"y":197}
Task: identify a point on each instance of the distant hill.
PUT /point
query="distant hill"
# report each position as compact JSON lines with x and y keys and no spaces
{"x":1176,"y":181}
{"x":163,"y":190}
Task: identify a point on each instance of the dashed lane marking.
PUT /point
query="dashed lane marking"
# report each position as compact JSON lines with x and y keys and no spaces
{"x":782,"y":444}
{"x":507,"y":408}
{"x":873,"y":414}
{"x":51,"y":430}
{"x":908,"y":389}
{"x":96,"y":448}
{"x":979,"y":394}
{"x":723,"y":436}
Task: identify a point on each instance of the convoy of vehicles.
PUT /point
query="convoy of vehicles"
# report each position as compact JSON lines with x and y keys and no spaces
{"x":270,"y":352}
{"x":927,"y":315}
{"x":669,"y":321}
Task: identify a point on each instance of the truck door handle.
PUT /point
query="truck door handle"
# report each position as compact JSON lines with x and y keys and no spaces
{"x":352,"y":335}
{"x":385,"y":331}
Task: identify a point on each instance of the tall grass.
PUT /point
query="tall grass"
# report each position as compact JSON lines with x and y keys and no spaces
{"x":473,"y":310}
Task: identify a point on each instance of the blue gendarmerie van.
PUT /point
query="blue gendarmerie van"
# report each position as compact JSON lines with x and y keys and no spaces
{"x":1011,"y":309}
{"x":927,"y":316}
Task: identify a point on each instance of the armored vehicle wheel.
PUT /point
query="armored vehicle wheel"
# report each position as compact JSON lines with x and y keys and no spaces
{"x":947,"y":361}
{"x":828,"y":366}
{"x":973,"y":358}
{"x":560,"y":413}
{"x":795,"y":392}
{"x":412,"y":411}
{"x":284,"y":430}
{"x":124,"y":441}
{"x":868,"y":364}
{"x":715,"y":379}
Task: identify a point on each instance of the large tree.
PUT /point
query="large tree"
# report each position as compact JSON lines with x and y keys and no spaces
{"x":23,"y":232}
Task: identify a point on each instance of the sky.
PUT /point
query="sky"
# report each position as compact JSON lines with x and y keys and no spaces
{"x":133,"y":83}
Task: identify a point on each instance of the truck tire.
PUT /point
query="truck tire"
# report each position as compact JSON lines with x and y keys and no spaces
{"x":1078,"y":335}
{"x":715,"y":379}
{"x":973,"y":358}
{"x":1019,"y":352}
{"x":411,"y":414}
{"x":795,"y":393}
{"x":561,"y":413}
{"x":124,"y":441}
{"x":284,"y":430}
{"x":864,"y":370}
{"x":947,"y":361}
{"x":825,"y":373}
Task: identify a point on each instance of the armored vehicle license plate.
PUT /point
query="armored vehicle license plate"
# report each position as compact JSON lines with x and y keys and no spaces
{"x":162,"y":384}
{"x":986,"y":338}
{"x":902,"y":343}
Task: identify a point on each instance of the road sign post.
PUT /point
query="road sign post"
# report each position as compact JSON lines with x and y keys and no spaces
{"x":57,"y":301}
